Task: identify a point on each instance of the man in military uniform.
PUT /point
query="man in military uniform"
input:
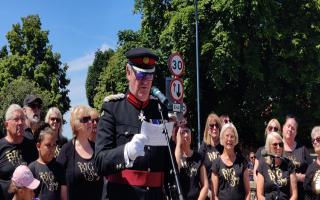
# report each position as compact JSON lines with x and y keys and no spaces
{"x":134,"y":170}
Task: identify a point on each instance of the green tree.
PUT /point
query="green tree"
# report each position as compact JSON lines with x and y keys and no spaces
{"x":30,"y":57}
{"x":258,"y":59}
{"x":100,"y":61}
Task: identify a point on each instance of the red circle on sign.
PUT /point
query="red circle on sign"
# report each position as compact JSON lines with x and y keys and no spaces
{"x":176,"y":64}
{"x":176,"y":89}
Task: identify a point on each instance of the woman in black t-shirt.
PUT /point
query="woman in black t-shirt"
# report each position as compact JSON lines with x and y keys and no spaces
{"x":77,"y":157}
{"x":297,"y":153}
{"x":230,"y":178}
{"x":47,"y":170}
{"x":55,"y":120}
{"x":276,"y":177}
{"x":311,"y":182}
{"x":15,"y":149}
{"x":211,"y":148}
{"x":273,"y":126}
{"x":193,"y":177}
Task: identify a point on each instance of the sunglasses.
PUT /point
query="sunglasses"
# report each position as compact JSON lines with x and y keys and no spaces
{"x":35,"y":105}
{"x":85,"y":119}
{"x":273,"y":128}
{"x":96,"y":120}
{"x":142,"y":75}
{"x":213,"y":125}
{"x":280,"y":144}
{"x":252,"y":157}
{"x":58,"y":120}
{"x":317,"y":139}
{"x":227,"y":121}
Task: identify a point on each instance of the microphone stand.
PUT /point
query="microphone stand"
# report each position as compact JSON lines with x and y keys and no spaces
{"x":165,"y":131}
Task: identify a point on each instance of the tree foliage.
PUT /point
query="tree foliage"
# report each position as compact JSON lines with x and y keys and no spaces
{"x":100,"y":62}
{"x":258,"y":59}
{"x":30,"y":58}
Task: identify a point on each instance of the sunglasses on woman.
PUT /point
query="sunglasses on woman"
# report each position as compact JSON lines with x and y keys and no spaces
{"x":280,"y":144}
{"x":273,"y":129}
{"x":85,"y":119}
{"x":213,"y":125}
{"x":55,"y":119}
{"x":315,"y":140}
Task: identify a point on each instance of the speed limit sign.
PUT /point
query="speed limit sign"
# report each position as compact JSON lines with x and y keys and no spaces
{"x":176,"y":64}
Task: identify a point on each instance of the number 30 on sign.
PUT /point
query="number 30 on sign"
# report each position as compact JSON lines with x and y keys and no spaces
{"x":176,"y":64}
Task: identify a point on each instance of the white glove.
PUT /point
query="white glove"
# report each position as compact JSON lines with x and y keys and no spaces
{"x":135,"y":147}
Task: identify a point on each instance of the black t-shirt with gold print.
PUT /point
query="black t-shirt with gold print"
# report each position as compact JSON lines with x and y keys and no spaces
{"x":231,"y":186}
{"x":312,"y":182}
{"x":276,"y":179}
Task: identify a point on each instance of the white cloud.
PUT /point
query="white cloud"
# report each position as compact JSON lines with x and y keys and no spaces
{"x":82,"y":63}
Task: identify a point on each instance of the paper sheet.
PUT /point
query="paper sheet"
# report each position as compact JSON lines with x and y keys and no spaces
{"x":155,"y":134}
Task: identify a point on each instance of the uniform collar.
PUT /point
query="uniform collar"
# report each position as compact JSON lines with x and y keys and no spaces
{"x":136,"y":102}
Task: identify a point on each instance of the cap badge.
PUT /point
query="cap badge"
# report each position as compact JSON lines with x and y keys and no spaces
{"x":145,"y":60}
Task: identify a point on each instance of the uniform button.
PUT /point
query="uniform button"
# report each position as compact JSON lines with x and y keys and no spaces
{"x":149,"y":148}
{"x":147,"y":188}
{"x":126,"y":133}
{"x":149,"y":169}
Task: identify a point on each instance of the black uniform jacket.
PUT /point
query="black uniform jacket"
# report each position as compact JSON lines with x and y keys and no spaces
{"x":118,"y":123}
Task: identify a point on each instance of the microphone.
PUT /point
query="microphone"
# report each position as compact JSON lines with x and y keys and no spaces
{"x":264,"y":153}
{"x":158,"y":94}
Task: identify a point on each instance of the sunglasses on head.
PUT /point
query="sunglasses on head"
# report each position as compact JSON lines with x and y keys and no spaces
{"x":142,"y":75}
{"x":56,"y":119}
{"x":85,"y":119}
{"x":273,"y":128}
{"x":213,"y":125}
{"x":280,"y":144}
{"x":315,"y":140}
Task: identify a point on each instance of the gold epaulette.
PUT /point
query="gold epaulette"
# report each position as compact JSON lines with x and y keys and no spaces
{"x":114,"y":97}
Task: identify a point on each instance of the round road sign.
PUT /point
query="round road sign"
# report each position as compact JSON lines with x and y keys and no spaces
{"x":176,"y":89}
{"x":176,"y":64}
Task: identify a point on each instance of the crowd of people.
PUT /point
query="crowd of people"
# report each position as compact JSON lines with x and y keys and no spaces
{"x":112,"y":155}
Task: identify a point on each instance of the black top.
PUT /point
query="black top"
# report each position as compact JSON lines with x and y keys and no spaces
{"x":11,"y":156}
{"x":258,"y":153}
{"x":276,"y":180}
{"x":117,"y":125}
{"x":231,"y":183}
{"x":51,"y":177}
{"x":300,"y":158}
{"x":61,"y":141}
{"x":81,"y":175}
{"x":209,"y":154}
{"x":311,"y":180}
{"x":190,"y":176}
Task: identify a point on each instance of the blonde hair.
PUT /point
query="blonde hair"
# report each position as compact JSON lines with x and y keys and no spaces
{"x":94,"y":111}
{"x":223,"y":130}
{"x":51,"y":111}
{"x":76,"y":114}
{"x":315,"y":131}
{"x":270,"y":138}
{"x":277,"y":124}
{"x":211,"y":117}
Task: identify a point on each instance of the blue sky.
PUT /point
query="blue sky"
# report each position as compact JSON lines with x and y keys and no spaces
{"x":76,"y":30}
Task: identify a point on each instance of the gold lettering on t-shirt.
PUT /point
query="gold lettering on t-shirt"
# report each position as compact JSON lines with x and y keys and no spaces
{"x":294,"y":160}
{"x":48,"y":179}
{"x":88,"y":171}
{"x":276,"y":177}
{"x":15,"y":157}
{"x":230,"y":176}
{"x":212,"y":155}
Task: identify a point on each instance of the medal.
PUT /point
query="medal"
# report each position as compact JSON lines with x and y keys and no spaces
{"x":141,"y":116}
